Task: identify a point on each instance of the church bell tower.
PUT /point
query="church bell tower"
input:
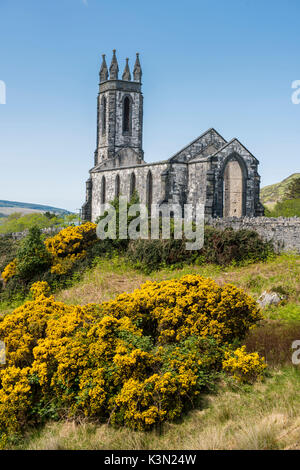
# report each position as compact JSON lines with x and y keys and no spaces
{"x":119,"y":115}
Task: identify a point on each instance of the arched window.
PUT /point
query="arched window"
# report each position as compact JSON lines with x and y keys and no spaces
{"x":103,"y":190}
{"x":103,"y":115}
{"x":132,"y":184}
{"x":117,"y":186}
{"x":149,"y":187}
{"x":126,"y":115}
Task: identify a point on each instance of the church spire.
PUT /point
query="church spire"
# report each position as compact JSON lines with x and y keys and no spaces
{"x":103,"y":70}
{"x":137,"y":71}
{"x":114,"y":68}
{"x":126,"y":74}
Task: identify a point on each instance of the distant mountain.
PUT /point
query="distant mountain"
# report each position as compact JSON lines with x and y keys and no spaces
{"x":8,"y":207}
{"x":270,"y":195}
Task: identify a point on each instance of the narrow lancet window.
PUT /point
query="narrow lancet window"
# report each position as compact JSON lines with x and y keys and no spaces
{"x":132,"y":184}
{"x":117,"y":186}
{"x":126,"y":115}
{"x":103,"y":115}
{"x":149,"y":186}
{"x":103,"y":190}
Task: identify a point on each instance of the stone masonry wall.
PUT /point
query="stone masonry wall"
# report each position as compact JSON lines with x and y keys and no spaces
{"x":210,"y":139}
{"x":283,"y":232}
{"x":140,"y":172}
{"x":114,"y":139}
{"x":248,"y":163}
{"x":19,"y":235}
{"x":197,"y":182}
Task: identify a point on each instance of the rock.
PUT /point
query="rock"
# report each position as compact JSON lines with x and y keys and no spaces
{"x":268,"y":298}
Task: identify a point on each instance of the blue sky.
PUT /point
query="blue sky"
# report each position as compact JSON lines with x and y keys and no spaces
{"x":227,"y":64}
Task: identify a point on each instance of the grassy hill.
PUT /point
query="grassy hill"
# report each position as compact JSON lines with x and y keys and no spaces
{"x":20,"y":216}
{"x":270,"y":195}
{"x":9,"y":207}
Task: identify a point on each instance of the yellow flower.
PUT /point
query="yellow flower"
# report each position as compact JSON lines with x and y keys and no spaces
{"x":244,"y":367}
{"x":40,"y":288}
{"x":69,"y":245}
{"x":10,"y":270}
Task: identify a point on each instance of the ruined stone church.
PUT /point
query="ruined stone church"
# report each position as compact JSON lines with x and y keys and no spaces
{"x":219,"y":174}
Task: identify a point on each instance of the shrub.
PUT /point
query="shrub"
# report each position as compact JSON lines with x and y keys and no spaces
{"x":32,"y":256}
{"x":287,"y":208}
{"x":15,"y":399}
{"x":244,"y":367}
{"x":173,"y":310}
{"x":9,"y":271}
{"x":294,"y":189}
{"x":70,"y":245}
{"x":73,"y":248}
{"x":225,"y":246}
{"x":221,"y":247}
{"x":8,"y":251}
{"x":137,"y":361}
{"x":149,"y":255}
{"x":40,"y":288}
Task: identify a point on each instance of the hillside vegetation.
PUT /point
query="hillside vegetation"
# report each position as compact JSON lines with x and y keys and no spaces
{"x":9,"y":207}
{"x":18,"y":222}
{"x":270,"y":195}
{"x":285,"y":208}
{"x":171,"y":363}
{"x":20,"y":216}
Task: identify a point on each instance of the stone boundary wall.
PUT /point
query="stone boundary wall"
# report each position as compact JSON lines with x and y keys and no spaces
{"x":283,"y":232}
{"x":20,"y":235}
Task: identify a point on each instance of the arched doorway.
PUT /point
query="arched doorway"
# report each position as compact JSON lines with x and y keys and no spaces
{"x":233,"y":190}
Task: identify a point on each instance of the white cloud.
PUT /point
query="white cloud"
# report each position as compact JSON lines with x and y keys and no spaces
{"x":85,"y":2}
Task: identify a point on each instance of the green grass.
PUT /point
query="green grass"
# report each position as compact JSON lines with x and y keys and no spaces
{"x":110,"y":277}
{"x":289,"y":312}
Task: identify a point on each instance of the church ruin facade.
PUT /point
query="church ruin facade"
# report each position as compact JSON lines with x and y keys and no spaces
{"x":221,"y":175}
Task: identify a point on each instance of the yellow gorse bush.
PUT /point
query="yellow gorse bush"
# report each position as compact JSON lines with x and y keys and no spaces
{"x":138,"y":360}
{"x":66,"y":247}
{"x":192,"y":305}
{"x":9,"y":271}
{"x":40,"y":288}
{"x":70,"y":245}
{"x":245,"y":367}
{"x":15,"y":399}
